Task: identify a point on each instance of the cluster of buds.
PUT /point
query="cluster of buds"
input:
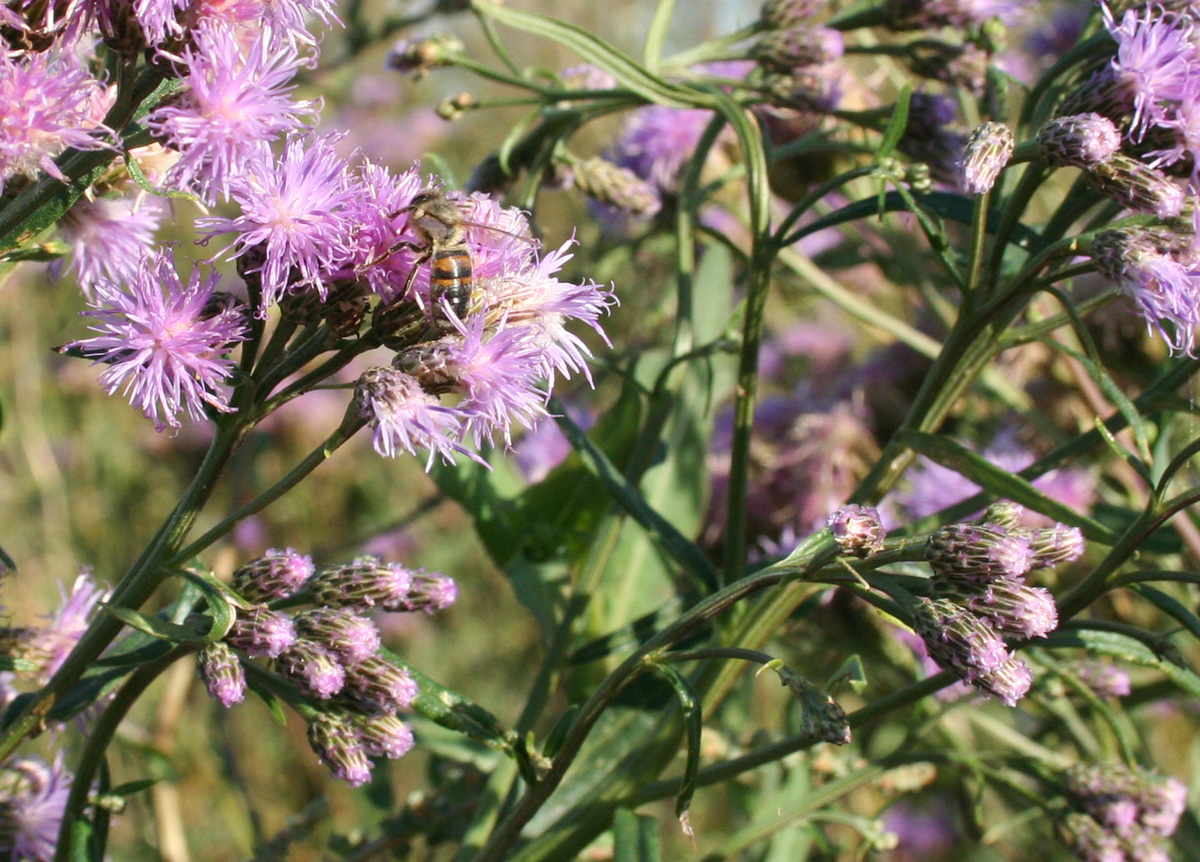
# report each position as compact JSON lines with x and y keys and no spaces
{"x":330,"y":653}
{"x":979,"y":596}
{"x":1121,"y":813}
{"x":800,"y":59}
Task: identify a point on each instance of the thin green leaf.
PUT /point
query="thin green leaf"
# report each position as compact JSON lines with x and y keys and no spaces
{"x":157,"y":628}
{"x":220,"y":600}
{"x":689,"y":703}
{"x":129,"y":788}
{"x":558,"y":733}
{"x":1000,"y":482}
{"x":136,"y":174}
{"x":1170,"y":606}
{"x":635,"y":837}
{"x":1181,"y":460}
{"x":1114,"y":393}
{"x":656,"y":35}
{"x":595,"y":50}
{"x":1114,"y":446}
{"x":852,"y":673}
{"x":896,"y":125}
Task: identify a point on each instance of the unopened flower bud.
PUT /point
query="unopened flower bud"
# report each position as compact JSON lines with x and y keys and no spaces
{"x":377,"y":685}
{"x":336,"y":742}
{"x":1088,"y":840}
{"x":384,"y":735}
{"x":1078,"y":141}
{"x":222,"y":673}
{"x":1008,"y":683}
{"x":422,"y":56}
{"x":1006,"y":604}
{"x":812,"y":88}
{"x":821,"y":717}
{"x":989,"y":147}
{"x":797,"y":47}
{"x":1104,"y":678}
{"x":262,"y":632}
{"x":368,"y":583}
{"x":273,"y":576}
{"x":352,"y":637}
{"x":958,"y":640}
{"x":1055,"y":545}
{"x":618,"y":187}
{"x":313,"y":668}
{"x":782,"y":14}
{"x":1137,"y":186}
{"x":1003,"y":513}
{"x":978,"y":551}
{"x":857,"y":530}
{"x":964,"y":66}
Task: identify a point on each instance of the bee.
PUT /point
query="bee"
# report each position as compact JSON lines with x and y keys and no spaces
{"x":442,"y":231}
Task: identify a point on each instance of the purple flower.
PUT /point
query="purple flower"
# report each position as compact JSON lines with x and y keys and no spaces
{"x":33,"y":797}
{"x":336,"y":742}
{"x":222,"y":673}
{"x":1090,"y":841}
{"x":657,"y":141}
{"x":1165,"y":289}
{"x":108,"y":237}
{"x":857,"y":530}
{"x":1104,"y":678}
{"x":407,"y":418}
{"x":1008,"y":683}
{"x":384,"y":735}
{"x":377,"y":685}
{"x":313,"y":668}
{"x":48,"y":102}
{"x":978,"y":552}
{"x":352,"y":637}
{"x":262,"y":632}
{"x":1006,"y":604}
{"x":380,"y":197}
{"x":542,"y":448}
{"x":236,"y":103}
{"x":50,"y":644}
{"x":1080,"y":140}
{"x":1155,"y":61}
{"x":296,"y":214}
{"x":958,"y":640}
{"x":1137,"y":186}
{"x":988,"y":149}
{"x":161,"y":341}
{"x":275,"y":575}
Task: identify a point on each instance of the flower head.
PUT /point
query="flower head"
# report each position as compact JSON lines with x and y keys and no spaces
{"x":982,"y":552}
{"x":406,"y":417}
{"x":275,"y":575}
{"x":1078,"y":140}
{"x":163,"y":342}
{"x":352,"y":637}
{"x":988,"y":150}
{"x":337,"y":743}
{"x":108,"y":237}
{"x":657,"y":141}
{"x":857,"y":530}
{"x":33,"y":798}
{"x":377,"y":685}
{"x":50,"y":644}
{"x":384,"y":735}
{"x":222,"y":673}
{"x":313,"y":668}
{"x":262,"y":632}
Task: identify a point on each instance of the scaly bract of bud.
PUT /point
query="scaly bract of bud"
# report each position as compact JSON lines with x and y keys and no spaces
{"x":1078,"y":141}
{"x":858,"y":530}
{"x":222,"y":673}
{"x":275,"y":575}
{"x":978,"y":551}
{"x":336,"y":742}
{"x":989,"y":147}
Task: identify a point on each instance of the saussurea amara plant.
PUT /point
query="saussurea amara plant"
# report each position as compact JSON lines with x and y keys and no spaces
{"x":854,"y":345}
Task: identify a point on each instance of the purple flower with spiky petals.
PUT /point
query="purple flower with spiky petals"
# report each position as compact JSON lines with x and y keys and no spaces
{"x":406,"y":418}
{"x":33,"y":798}
{"x":48,"y":103}
{"x":380,"y":198}
{"x":162,"y":341}
{"x":236,"y":102}
{"x":50,"y":644}
{"x":958,"y":640}
{"x":1155,"y":61}
{"x":296,"y":212}
{"x":109,"y":236}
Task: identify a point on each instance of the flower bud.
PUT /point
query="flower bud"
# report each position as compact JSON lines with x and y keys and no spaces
{"x":857,"y":530}
{"x":821,"y":717}
{"x":377,"y":685}
{"x":352,"y":637}
{"x":982,"y":552}
{"x":222,"y":673}
{"x":1088,"y":840}
{"x":782,"y":14}
{"x":1127,"y":800}
{"x":363,"y":583}
{"x":964,"y":66}
{"x":337,"y":744}
{"x":989,"y":147}
{"x":1003,"y":513}
{"x":958,"y":640}
{"x":313,"y":668}
{"x":1136,"y":186}
{"x":615,"y":186}
{"x":273,"y":576}
{"x":1006,"y":604}
{"x":262,"y":632}
{"x":1078,"y":141}
{"x":384,"y":735}
{"x":1104,"y":678}
{"x":797,"y":47}
{"x":1055,"y":545}
{"x":420,"y":57}
{"x":1008,"y":683}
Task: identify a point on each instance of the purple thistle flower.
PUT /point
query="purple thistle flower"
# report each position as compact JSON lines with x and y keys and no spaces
{"x":430,"y":591}
{"x":1155,"y":62}
{"x":384,"y":735}
{"x":48,"y":103}
{"x":363,"y":583}
{"x":379,"y":198}
{"x":928,"y":136}
{"x":1006,"y":604}
{"x":407,"y":418}
{"x":336,"y":742}
{"x":352,"y":637}
{"x":1080,"y":140}
{"x":657,"y":141}
{"x":236,"y":102}
{"x":162,"y":342}
{"x":377,"y":685}
{"x":1128,"y":800}
{"x":1164,"y":289}
{"x":33,"y":798}
{"x":313,"y":668}
{"x":988,"y":149}
{"x":958,"y":640}
{"x":108,"y":236}
{"x":296,"y":212}
{"x":275,"y":575}
{"x":49,"y":645}
{"x":262,"y":632}
{"x":1008,"y":683}
{"x":857,"y":530}
{"x":222,"y":673}
{"x":978,"y":552}
{"x":159,"y":18}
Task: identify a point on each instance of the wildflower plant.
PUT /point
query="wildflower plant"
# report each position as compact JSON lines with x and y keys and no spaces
{"x":848,"y":292}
